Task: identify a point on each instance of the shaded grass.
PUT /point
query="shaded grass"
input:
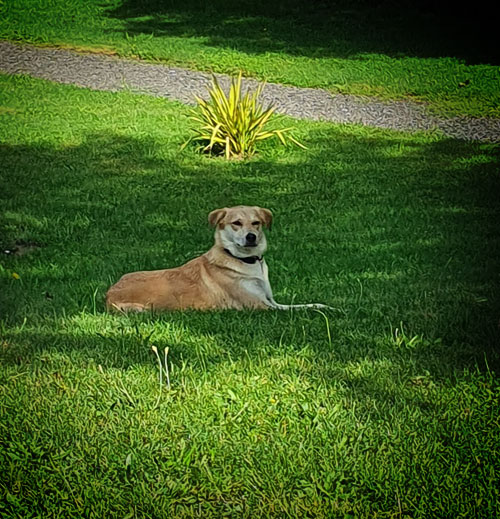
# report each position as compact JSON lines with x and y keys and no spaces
{"x":446,"y":59}
{"x":387,"y":406}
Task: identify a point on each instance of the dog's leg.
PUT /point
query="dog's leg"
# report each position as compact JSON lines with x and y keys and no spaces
{"x":277,"y":306}
{"x":128,"y":307}
{"x":316,"y":306}
{"x":271,"y":303}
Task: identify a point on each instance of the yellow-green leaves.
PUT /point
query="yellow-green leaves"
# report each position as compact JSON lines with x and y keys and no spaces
{"x":233,"y":125}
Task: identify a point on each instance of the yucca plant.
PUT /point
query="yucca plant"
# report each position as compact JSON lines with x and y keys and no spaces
{"x":233,"y":125}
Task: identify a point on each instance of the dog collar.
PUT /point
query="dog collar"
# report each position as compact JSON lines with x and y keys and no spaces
{"x":249,"y":259}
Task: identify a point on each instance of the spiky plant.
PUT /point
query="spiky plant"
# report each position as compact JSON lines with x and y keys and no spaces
{"x":233,"y":125}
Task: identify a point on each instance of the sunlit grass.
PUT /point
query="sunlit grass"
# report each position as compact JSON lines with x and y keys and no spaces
{"x":386,"y":406}
{"x":391,"y":51}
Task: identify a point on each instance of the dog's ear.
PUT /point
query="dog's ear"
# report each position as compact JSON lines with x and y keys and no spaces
{"x":266,"y":216}
{"x":216,"y":216}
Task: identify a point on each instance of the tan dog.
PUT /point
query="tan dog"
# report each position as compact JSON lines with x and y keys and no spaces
{"x":232,"y":274}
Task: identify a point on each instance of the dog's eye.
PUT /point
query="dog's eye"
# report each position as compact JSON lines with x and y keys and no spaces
{"x":237,"y":223}
{"x":256,"y":223}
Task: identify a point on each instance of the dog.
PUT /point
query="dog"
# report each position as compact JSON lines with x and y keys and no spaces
{"x":231,"y":275}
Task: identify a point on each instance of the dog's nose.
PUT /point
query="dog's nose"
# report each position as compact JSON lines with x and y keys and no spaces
{"x":251,"y":237}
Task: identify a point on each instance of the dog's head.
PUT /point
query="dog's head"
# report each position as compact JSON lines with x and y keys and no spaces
{"x":240,"y":229}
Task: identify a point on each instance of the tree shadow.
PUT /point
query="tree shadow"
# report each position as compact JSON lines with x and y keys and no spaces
{"x":319,"y":29}
{"x":403,"y":235}
{"x":393,"y":231}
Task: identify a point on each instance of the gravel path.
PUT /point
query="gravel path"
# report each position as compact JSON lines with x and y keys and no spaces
{"x":113,"y":74}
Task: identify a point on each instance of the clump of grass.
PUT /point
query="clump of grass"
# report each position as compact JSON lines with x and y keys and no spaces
{"x":233,"y":125}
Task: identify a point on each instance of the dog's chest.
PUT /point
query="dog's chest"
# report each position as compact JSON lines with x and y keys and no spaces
{"x":256,"y":283}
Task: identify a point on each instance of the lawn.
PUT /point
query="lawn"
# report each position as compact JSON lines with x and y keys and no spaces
{"x":445,"y":59}
{"x":385,"y":406}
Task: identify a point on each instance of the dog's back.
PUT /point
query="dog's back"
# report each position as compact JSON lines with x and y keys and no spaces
{"x":166,"y":289}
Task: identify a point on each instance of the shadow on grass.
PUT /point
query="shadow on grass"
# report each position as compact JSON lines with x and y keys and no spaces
{"x":318,"y":29}
{"x":400,"y":236}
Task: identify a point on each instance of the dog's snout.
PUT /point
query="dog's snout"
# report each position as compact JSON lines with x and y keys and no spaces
{"x":251,"y":237}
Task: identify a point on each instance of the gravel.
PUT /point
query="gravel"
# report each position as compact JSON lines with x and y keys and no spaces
{"x":109,"y":73}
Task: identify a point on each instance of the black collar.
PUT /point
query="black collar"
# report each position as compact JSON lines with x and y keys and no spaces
{"x":249,"y":259}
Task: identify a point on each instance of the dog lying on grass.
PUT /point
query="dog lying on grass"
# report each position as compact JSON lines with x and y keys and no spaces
{"x":232,"y":274}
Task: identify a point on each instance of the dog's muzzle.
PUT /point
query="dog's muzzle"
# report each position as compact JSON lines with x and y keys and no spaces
{"x":251,"y":239}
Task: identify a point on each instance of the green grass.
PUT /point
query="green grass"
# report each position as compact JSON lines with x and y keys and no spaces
{"x":387,"y":406}
{"x":445,"y":59}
